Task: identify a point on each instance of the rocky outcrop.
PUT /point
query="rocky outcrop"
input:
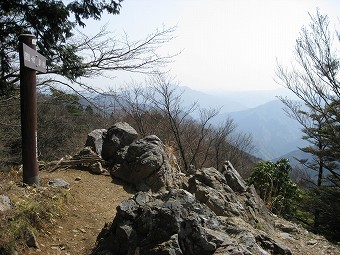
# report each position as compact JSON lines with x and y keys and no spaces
{"x":211,"y":212}
{"x":212,"y":188}
{"x":209,"y":218}
{"x":175,"y":222}
{"x":142,"y":163}
{"x":118,"y":136}
{"x":145,"y":164}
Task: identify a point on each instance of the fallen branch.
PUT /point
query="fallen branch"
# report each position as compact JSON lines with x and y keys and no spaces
{"x":79,"y":161}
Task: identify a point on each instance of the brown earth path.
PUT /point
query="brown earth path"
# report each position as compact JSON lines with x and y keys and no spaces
{"x":92,"y":202}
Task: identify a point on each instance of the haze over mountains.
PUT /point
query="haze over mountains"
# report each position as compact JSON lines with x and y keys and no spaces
{"x":233,"y":100}
{"x":257,"y":112}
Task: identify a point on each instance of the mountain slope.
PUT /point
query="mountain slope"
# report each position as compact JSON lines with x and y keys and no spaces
{"x":273,"y":132}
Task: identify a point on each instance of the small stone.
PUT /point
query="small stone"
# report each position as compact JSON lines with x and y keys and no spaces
{"x":59,"y":183}
{"x":32,"y":240}
{"x":96,"y":168}
{"x":64,"y":246}
{"x":5,"y":203}
{"x":312,"y":242}
{"x":77,"y":178}
{"x":82,"y":230}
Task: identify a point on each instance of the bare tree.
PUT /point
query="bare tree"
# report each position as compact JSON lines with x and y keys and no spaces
{"x":86,"y":56}
{"x":199,"y":140}
{"x":165,"y":98}
{"x":221,"y":136}
{"x":133,"y":102}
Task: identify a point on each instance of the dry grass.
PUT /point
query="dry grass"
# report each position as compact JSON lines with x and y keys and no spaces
{"x":34,"y":208}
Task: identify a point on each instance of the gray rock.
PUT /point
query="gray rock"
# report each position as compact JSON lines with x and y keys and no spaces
{"x":5,"y":203}
{"x":58,"y":183}
{"x":175,"y":222}
{"x":32,"y":240}
{"x":86,"y":151}
{"x":217,"y":214}
{"x":118,"y":136}
{"x":273,"y":246}
{"x":287,"y":227}
{"x":144,"y":164}
{"x":166,"y":223}
{"x":96,"y":168}
{"x":210,"y":187}
{"x":312,"y":242}
{"x":95,"y":140}
{"x":234,"y":179}
{"x":258,"y":213}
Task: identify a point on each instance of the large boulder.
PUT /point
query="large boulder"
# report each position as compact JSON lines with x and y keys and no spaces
{"x":211,"y":188}
{"x":95,"y":140}
{"x":119,"y":135}
{"x":145,"y":164}
{"x":174,"y":222}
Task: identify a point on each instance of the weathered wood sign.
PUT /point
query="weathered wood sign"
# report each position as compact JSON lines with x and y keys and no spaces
{"x":33,"y":59}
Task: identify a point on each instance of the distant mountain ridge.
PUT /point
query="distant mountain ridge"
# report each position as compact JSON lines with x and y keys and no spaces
{"x":257,"y":112}
{"x":274,"y":133}
{"x":232,"y":101}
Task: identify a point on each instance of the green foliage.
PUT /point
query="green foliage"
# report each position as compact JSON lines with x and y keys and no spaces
{"x":327,"y":203}
{"x":63,"y":125}
{"x":275,"y":187}
{"x":319,"y":211}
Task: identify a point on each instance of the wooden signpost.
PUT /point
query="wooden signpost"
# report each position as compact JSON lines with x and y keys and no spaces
{"x":33,"y":59}
{"x":30,"y":62}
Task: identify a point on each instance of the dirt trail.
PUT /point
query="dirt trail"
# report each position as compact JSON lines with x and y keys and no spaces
{"x":92,"y":202}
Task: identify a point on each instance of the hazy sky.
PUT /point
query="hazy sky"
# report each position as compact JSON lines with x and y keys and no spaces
{"x":227,"y":44}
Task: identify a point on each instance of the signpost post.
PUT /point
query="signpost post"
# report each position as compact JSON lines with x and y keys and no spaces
{"x":30,"y":62}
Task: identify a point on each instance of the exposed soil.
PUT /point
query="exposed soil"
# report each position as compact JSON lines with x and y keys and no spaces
{"x":92,"y":202}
